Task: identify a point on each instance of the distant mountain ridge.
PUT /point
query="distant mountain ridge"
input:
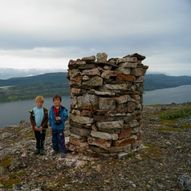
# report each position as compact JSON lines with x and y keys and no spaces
{"x":57,"y":83}
{"x":160,"y":81}
{"x":59,"y":77}
{"x":152,"y":81}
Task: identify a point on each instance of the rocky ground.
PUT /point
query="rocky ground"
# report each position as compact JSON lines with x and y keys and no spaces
{"x":163,"y":163}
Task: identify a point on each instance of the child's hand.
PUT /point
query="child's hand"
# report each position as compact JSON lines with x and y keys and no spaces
{"x":58,"y":118}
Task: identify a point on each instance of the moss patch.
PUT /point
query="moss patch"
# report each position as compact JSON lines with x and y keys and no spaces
{"x":6,"y":162}
{"x":8,"y":182}
{"x":152,"y":151}
{"x":176,"y":113}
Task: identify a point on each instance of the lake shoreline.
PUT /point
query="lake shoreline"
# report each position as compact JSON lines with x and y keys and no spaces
{"x":19,"y":110}
{"x":144,"y":106}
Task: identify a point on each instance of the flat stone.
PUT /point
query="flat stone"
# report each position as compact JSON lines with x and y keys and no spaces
{"x":80,"y":131}
{"x":140,"y":79}
{"x":105,"y":144}
{"x":87,"y":101}
{"x":77,"y":80}
{"x":91,"y":72}
{"x":103,"y":135}
{"x":127,"y":59}
{"x":77,"y":62}
{"x":89,"y":58}
{"x":108,"y":74}
{"x":117,"y":149}
{"x":124,"y":86}
{"x":138,"y":72}
{"x":138,"y":56}
{"x":74,"y":72}
{"x":124,"y":70}
{"x":131,"y":106}
{"x":121,"y":77}
{"x":123,"y":99}
{"x":87,"y":66}
{"x":134,"y":123}
{"x":122,"y":155}
{"x":110,"y":125}
{"x":104,"y":93}
{"x":94,"y":81}
{"x":75,"y":91}
{"x":107,"y":103}
{"x":123,"y":142}
{"x":129,"y":64}
{"x":80,"y":119}
{"x":101,"y":57}
{"x":125,"y":133}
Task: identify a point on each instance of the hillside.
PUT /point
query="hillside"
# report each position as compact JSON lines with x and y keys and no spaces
{"x":51,"y":83}
{"x":28,"y":87}
{"x":160,"y":81}
{"x":163,"y":163}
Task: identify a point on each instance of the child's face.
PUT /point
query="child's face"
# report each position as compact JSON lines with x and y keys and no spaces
{"x":57,"y":102}
{"x":39,"y":104}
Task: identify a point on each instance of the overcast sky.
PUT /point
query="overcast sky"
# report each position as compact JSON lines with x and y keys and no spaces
{"x":47,"y":33}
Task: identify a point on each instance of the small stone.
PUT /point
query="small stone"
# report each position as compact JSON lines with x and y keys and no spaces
{"x":138,"y":72}
{"x":103,"y":135}
{"x":104,"y":93}
{"x":134,"y":123}
{"x":110,"y":125}
{"x":125,"y":133}
{"x":107,"y":103}
{"x":138,"y":56}
{"x":85,"y":78}
{"x":73,"y":73}
{"x":75,"y":91}
{"x":122,"y":155}
{"x":127,"y":59}
{"x":123,"y":142}
{"x":123,"y":99}
{"x":93,"y":82}
{"x":89,"y":58}
{"x":80,"y":119}
{"x":124,"y":86}
{"x":99,"y":142}
{"x":102,"y":57}
{"x":131,"y":106}
{"x":121,"y":77}
{"x":80,"y":131}
{"x":87,"y":101}
{"x":124,"y":70}
{"x":91,"y":72}
{"x":108,"y":74}
{"x":129,"y":65}
{"x":184,"y":182}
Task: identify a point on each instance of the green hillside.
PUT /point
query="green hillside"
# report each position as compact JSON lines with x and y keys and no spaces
{"x":57,"y":83}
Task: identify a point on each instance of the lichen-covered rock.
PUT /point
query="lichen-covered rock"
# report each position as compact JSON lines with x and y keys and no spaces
{"x":110,"y":125}
{"x":93,"y":82}
{"x":101,"y":57}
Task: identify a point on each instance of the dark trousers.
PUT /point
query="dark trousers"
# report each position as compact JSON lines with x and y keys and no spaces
{"x":58,"y":141}
{"x":40,"y":138}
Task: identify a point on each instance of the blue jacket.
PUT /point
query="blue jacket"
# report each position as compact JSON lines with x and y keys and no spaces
{"x":63,"y":114}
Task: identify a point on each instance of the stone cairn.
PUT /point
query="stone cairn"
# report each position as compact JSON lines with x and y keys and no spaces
{"x":106,"y":104}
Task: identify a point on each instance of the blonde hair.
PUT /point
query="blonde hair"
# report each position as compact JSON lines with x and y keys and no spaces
{"x":39,"y":98}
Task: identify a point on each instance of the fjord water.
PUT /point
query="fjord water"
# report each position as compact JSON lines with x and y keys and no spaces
{"x":12,"y":113}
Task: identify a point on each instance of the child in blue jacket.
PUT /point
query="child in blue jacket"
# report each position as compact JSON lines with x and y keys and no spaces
{"x":58,"y":114}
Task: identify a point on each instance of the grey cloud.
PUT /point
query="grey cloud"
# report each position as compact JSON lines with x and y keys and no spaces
{"x":70,"y":28}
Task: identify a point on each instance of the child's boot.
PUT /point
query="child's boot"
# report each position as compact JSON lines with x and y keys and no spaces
{"x":37,"y":151}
